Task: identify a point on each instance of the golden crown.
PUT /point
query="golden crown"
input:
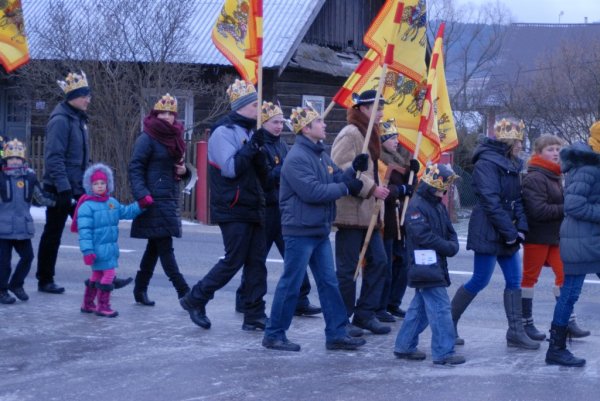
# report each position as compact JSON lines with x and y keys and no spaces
{"x":73,"y":81}
{"x":14,"y":148}
{"x":509,"y":130}
{"x":239,"y":89}
{"x":301,"y":117}
{"x":436,"y":179}
{"x":166,"y":103}
{"x":269,"y":110}
{"x":388,"y":129}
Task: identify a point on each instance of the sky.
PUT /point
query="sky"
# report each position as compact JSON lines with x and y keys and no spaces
{"x":548,"y":11}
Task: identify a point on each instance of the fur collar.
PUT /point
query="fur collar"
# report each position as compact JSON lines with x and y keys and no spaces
{"x":578,"y":155}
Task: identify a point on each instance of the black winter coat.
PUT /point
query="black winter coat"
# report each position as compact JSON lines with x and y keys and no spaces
{"x":499,"y":214}
{"x":152,"y":172}
{"x":275,"y":151}
{"x":428,"y":226}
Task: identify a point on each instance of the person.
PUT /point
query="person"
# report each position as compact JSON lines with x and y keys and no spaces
{"x":429,"y":229}
{"x":354,"y":215}
{"x":66,"y":156}
{"x":275,"y":151}
{"x":310,"y":183}
{"x":543,"y":201}
{"x":19,"y":187}
{"x":237,"y":169}
{"x":579,"y":234}
{"x":398,"y":159}
{"x":96,"y":219}
{"x":497,"y":227}
{"x":156,"y":169}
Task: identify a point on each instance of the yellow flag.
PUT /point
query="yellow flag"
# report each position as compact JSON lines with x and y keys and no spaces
{"x":13,"y":42}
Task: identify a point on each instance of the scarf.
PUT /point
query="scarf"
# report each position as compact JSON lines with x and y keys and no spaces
{"x":538,"y":161}
{"x":169,"y":135}
{"x":83,"y":198}
{"x":234,"y":118}
{"x":358,"y":118}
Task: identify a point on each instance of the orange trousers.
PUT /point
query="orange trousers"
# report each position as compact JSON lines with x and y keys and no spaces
{"x":535,"y":256}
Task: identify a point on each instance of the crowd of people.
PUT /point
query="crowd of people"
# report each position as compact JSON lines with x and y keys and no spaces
{"x":265,"y":193}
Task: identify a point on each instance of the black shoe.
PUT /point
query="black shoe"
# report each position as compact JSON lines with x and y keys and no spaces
{"x":451,"y":360}
{"x":308,"y":310}
{"x":50,"y":288}
{"x":254,"y":324}
{"x":141,"y":297}
{"x":6,"y":298}
{"x":280,"y":345}
{"x":396,"y":311}
{"x":575,"y":331}
{"x":354,"y":331}
{"x":385,"y":317}
{"x":372,"y":325}
{"x":345,"y":343}
{"x":20,"y":293}
{"x":121,"y":282}
{"x":197,"y":313}
{"x":411,"y":356}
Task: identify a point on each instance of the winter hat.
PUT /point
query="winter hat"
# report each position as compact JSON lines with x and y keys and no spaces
{"x":388,"y":130}
{"x":75,"y":85}
{"x":98,"y":175}
{"x":366,"y":98}
{"x":95,"y":172}
{"x":594,"y":140}
{"x":439,"y":176}
{"x":241,"y":93}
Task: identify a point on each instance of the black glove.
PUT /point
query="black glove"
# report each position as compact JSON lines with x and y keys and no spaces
{"x":406,"y":190}
{"x":64,"y":198}
{"x":258,"y":138}
{"x":354,"y":186}
{"x":249,"y":149}
{"x":361,"y":162}
{"x":414,"y":166}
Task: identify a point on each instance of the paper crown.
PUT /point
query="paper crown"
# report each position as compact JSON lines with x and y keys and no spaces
{"x":14,"y":148}
{"x":301,"y":117}
{"x":439,"y":176}
{"x":387,"y":129}
{"x":166,"y":103}
{"x":239,"y":89}
{"x":73,"y":81}
{"x":269,"y":110}
{"x":505,"y":129}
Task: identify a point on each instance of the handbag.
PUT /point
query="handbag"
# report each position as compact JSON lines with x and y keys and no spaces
{"x":426,"y":273}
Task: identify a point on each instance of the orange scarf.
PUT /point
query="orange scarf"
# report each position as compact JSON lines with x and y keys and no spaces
{"x":538,"y":161}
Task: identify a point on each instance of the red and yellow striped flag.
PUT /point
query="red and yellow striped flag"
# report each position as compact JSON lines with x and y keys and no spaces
{"x":238,"y":35}
{"x":363,"y":78}
{"x":13,"y":42}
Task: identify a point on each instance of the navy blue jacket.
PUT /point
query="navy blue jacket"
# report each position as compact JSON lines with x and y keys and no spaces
{"x":580,"y":229}
{"x":310,"y":184}
{"x":275,"y":151}
{"x":499,"y":214}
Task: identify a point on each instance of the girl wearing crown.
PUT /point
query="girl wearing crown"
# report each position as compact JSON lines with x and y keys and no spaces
{"x":497,"y":227}
{"x":156,"y":170}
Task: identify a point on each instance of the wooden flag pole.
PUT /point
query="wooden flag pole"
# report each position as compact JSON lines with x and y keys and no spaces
{"x":411,"y":178}
{"x":328,"y":109}
{"x":259,"y":79}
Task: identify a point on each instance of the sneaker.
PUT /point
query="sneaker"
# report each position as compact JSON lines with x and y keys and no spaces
{"x":345,"y":343}
{"x":20,"y":293}
{"x":372,"y":325}
{"x":6,"y":298}
{"x":385,"y":317}
{"x":280,"y":345}
{"x":451,"y":360}
{"x":411,"y":356}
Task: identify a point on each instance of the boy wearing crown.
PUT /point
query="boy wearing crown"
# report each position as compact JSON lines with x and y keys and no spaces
{"x":310,"y":184}
{"x":18,"y":188}
{"x":236,"y":169}
{"x":430,"y":239}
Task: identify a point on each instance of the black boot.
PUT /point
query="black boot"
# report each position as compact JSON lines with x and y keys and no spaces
{"x":140,"y":289}
{"x":515,"y":336}
{"x":574,"y":330}
{"x":141,"y":297}
{"x":558,"y":354}
{"x":121,"y":282}
{"x":530,"y":329}
{"x":462,"y":299}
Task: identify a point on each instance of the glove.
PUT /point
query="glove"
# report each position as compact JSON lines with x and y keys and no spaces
{"x":406,"y":190}
{"x":64,"y":198}
{"x":145,"y":201}
{"x":361,"y":162}
{"x":414,"y":166}
{"x":249,"y":149}
{"x":354,"y":186}
{"x":89,"y":259}
{"x":520,"y":237}
{"x":258,"y":138}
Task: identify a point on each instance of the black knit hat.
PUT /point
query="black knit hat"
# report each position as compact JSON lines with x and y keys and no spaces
{"x":366,"y":98}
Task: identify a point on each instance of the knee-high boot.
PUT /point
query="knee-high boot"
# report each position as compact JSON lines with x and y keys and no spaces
{"x":527,"y":305}
{"x":558,"y":354}
{"x":462,"y":299}
{"x":103,"y":308}
{"x":88,"y":305}
{"x":516,"y":336}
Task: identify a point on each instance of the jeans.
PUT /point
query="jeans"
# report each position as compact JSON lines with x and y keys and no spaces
{"x":317,"y":253}
{"x":483,"y":267}
{"x":430,"y":306}
{"x":25,"y":252}
{"x":160,"y":248}
{"x":394,"y":291}
{"x":569,"y":294}
{"x":244,"y":246}
{"x":348,"y":243}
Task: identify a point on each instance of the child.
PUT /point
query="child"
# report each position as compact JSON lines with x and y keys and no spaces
{"x":97,"y":218}
{"x":429,"y":231}
{"x":18,"y":187}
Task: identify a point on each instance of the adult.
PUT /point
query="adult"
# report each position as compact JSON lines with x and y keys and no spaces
{"x":66,"y":156}
{"x":275,"y":150}
{"x":237,"y":169}
{"x":157,"y":169}
{"x":310,"y":183}
{"x":543,"y":200}
{"x":497,"y":227}
{"x":354,"y":215}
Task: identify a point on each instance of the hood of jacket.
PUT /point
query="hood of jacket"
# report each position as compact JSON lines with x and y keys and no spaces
{"x":496,"y":152}
{"x":577,"y":155}
{"x":87,"y":178}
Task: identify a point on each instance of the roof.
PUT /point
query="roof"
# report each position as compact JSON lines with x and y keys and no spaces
{"x":285,"y":23}
{"x":325,"y":60}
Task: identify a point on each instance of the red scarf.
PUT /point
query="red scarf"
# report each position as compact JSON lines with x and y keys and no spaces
{"x":170,"y":135}
{"x":539,"y":161}
{"x":358,"y":118}
{"x":83,"y":198}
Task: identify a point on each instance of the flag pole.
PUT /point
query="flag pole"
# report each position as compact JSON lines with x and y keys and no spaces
{"x":411,"y":178}
{"x":259,"y":79}
{"x":328,"y":109}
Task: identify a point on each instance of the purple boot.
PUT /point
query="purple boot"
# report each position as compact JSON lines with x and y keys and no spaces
{"x":103,"y":308}
{"x":88,"y":305}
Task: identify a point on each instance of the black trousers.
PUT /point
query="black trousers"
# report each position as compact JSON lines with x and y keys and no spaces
{"x":244,"y":247}
{"x":25,"y":251}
